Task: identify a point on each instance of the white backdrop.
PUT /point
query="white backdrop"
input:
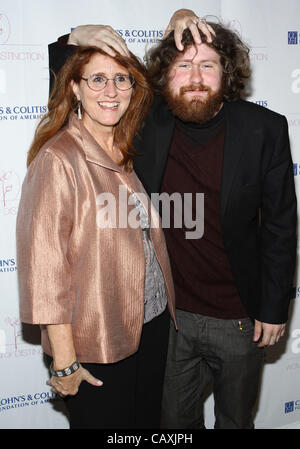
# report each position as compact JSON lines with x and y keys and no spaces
{"x":270,"y":27}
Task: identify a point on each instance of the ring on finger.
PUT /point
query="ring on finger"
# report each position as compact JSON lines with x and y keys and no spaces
{"x":199,"y":20}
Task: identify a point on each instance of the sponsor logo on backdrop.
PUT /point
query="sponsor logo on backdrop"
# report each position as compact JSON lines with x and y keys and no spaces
{"x":141,"y":36}
{"x":292,"y":366}
{"x":10,"y":187}
{"x":232,"y":24}
{"x":24,"y":55}
{"x":257,"y":52}
{"x":11,"y":336}
{"x":296,"y":341}
{"x":263,"y":103}
{"x":292,"y":406}
{"x":295,"y":86}
{"x":26,"y":400}
{"x":152,"y":36}
{"x":12,"y":344}
{"x":293,"y":37}
{"x":296,"y":168}
{"x":294,"y":120}
{"x":4,"y":28}
{"x":22,"y":112}
{"x":8,"y":265}
{"x":10,"y":54}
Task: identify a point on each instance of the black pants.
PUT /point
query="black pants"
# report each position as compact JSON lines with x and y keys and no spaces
{"x":207,"y":351}
{"x":132,"y":388}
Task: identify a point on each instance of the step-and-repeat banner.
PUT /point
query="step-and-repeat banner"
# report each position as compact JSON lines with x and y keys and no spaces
{"x":270,"y":27}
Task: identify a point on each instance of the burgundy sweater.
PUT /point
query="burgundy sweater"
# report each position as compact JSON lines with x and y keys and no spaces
{"x":203,"y":279}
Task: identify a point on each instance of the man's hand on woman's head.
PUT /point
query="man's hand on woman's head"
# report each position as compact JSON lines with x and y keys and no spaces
{"x":101,"y":36}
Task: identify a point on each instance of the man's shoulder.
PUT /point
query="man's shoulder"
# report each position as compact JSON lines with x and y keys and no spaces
{"x":246,"y":107}
{"x":159,"y":111}
{"x":158,"y":101}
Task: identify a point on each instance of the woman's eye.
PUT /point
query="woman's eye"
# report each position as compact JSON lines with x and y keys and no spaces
{"x":120,"y":78}
{"x":98,"y":79}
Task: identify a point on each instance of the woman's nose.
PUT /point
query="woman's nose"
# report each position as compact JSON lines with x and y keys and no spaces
{"x":110,"y":89}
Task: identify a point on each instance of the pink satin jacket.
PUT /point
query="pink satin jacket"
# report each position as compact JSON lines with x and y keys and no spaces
{"x":71,"y":267}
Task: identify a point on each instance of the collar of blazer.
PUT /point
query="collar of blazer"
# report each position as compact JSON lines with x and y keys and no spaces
{"x":93,"y":151}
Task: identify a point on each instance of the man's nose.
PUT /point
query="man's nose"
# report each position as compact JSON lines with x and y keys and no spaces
{"x":196,"y":74}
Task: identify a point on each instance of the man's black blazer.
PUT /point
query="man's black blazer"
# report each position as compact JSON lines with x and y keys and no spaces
{"x":258,"y":201}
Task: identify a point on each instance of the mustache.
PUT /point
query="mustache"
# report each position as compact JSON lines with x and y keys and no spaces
{"x":194,"y":88}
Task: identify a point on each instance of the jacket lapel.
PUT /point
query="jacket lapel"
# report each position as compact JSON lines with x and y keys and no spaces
{"x":93,"y":151}
{"x":234,"y":148}
{"x":165,"y":123}
{"x":152,"y":145}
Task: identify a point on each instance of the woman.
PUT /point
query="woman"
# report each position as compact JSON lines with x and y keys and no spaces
{"x":97,"y":287}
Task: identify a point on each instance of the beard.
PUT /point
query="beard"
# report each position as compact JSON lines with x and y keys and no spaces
{"x":197,"y":109}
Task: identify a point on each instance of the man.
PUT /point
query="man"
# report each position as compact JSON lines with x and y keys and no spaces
{"x":233,"y":285}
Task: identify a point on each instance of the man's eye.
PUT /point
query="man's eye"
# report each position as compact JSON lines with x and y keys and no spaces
{"x":184,"y":66}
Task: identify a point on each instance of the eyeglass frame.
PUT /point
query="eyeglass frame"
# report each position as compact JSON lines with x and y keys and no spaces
{"x":108,"y":79}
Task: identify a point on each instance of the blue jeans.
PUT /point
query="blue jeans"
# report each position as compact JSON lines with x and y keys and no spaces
{"x":207,"y":350}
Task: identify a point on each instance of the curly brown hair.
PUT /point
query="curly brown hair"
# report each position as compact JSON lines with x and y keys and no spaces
{"x":234,"y":57}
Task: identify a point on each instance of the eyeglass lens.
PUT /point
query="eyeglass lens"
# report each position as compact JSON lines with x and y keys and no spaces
{"x":122,"y":82}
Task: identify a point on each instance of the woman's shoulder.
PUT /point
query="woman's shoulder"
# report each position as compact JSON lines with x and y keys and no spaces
{"x":64,"y":145}
{"x":59,"y":154}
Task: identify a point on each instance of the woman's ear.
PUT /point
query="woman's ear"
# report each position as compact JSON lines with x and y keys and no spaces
{"x":75,"y":89}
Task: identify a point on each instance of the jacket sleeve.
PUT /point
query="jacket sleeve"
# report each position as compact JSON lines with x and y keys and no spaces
{"x":59,"y":52}
{"x":44,"y":226}
{"x":278,"y":232}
